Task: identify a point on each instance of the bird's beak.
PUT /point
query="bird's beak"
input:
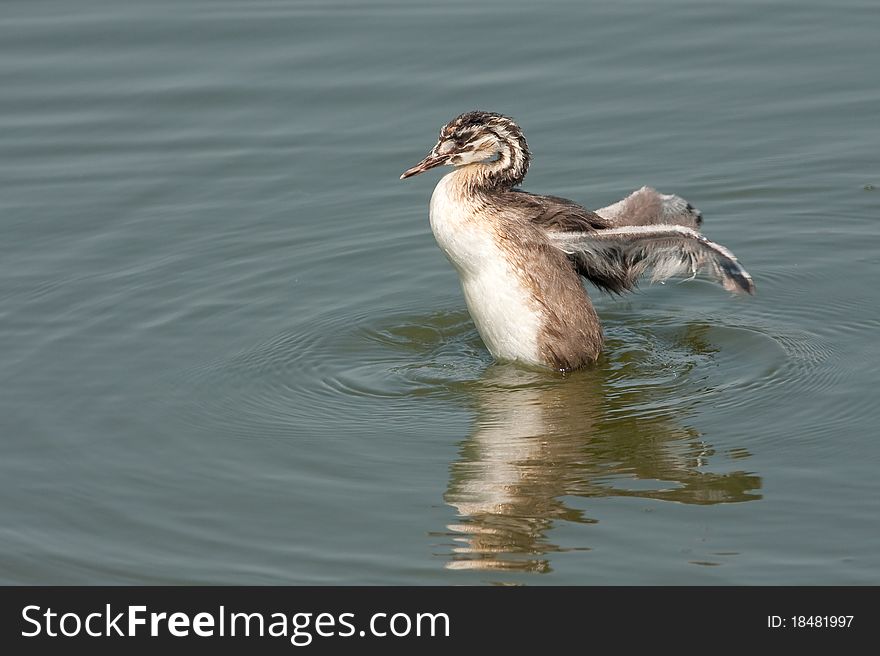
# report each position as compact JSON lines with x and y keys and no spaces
{"x":429,"y":162}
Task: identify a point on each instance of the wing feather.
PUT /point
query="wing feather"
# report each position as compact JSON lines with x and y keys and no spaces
{"x":552,"y":212}
{"x":647,"y":206}
{"x":614,"y":259}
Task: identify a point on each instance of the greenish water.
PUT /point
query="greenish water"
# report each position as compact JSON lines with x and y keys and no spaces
{"x":231,"y":352}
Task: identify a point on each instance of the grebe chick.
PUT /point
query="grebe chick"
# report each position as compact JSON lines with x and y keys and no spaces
{"x":520,"y":256}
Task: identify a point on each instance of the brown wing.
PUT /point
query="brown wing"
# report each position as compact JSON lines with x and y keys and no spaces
{"x":646,"y":230}
{"x":552,"y":213}
{"x":555,"y":215}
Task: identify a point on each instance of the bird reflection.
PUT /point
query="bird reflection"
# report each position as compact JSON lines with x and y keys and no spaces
{"x":537,"y":439}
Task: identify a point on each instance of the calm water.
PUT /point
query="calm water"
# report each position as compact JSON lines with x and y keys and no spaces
{"x":232,"y":353}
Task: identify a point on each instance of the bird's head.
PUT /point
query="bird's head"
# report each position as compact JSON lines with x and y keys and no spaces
{"x":484,"y":138}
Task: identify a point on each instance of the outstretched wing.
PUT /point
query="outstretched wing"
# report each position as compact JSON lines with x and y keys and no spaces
{"x":614,"y":259}
{"x":648,"y":206}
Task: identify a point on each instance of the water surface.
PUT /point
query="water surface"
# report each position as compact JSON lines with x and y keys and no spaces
{"x":232,"y":353}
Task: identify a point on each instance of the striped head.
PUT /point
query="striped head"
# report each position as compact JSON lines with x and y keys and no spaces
{"x":490,"y":141}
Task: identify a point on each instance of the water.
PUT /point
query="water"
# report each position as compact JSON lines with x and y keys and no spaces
{"x":232,"y":353}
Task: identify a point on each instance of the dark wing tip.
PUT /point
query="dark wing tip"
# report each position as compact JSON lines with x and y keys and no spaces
{"x":737,"y":279}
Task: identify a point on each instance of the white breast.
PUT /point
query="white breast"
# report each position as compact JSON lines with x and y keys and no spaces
{"x":501,"y":307}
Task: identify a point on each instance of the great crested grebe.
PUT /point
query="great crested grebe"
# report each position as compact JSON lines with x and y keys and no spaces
{"x":520,"y":255}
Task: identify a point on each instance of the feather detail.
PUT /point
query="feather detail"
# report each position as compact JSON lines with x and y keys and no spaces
{"x":648,"y":206}
{"x":615,"y":258}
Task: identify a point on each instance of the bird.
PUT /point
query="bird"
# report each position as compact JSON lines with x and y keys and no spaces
{"x":521,"y":257}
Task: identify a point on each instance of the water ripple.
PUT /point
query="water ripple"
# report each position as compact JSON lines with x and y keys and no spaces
{"x":343,"y":367}
{"x":337,"y":366}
